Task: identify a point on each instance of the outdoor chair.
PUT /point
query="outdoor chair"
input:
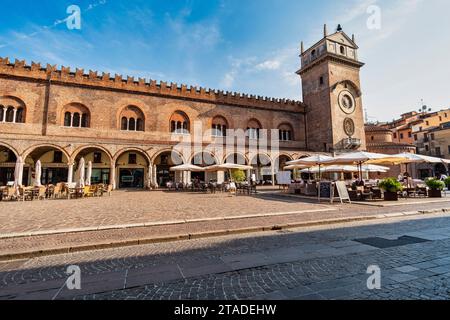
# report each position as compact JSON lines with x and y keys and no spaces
{"x":376,"y":193}
{"x":109,"y":190}
{"x":88,"y":191}
{"x":39,"y":193}
{"x":422,"y":192}
{"x":57,"y":191}
{"x":9,"y":194}
{"x":353,"y":194}
{"x":99,"y":189}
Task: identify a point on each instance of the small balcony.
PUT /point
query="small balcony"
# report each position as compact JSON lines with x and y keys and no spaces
{"x":350,"y":144}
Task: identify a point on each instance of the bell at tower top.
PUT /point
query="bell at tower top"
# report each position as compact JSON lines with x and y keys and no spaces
{"x":337,"y":46}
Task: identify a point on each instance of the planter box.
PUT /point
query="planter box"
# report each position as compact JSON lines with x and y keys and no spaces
{"x":390,"y":196}
{"x":435,"y":193}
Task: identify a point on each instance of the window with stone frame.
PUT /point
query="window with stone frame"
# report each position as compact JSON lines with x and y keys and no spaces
{"x":97,"y":157}
{"x":76,"y":116}
{"x":132,"y":158}
{"x":12,"y":110}
{"x":179,"y":123}
{"x":132,"y":119}
{"x":219,"y":127}
{"x":286,"y":133}
{"x":254,"y":129}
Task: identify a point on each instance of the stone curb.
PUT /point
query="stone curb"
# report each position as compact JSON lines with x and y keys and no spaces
{"x":208,"y":234}
{"x":153,"y":224}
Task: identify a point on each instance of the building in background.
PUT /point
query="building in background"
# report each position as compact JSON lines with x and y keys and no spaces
{"x":381,"y":140}
{"x":427,"y":132}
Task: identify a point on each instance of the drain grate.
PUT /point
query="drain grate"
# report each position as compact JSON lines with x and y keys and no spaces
{"x":382,"y":243}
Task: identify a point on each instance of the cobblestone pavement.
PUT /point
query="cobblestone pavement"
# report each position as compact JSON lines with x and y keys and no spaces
{"x":307,"y":263}
{"x":145,"y":207}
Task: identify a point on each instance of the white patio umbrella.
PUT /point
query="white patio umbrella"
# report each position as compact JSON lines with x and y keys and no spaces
{"x":360,"y":158}
{"x":89,"y":174}
{"x":38,"y":174}
{"x":296,"y":166}
{"x":348,"y":168}
{"x":187,"y":168}
{"x":374,"y":168}
{"x":80,"y":173}
{"x":316,"y":160}
{"x":228,"y":166}
{"x":418,"y":158}
{"x":18,"y":173}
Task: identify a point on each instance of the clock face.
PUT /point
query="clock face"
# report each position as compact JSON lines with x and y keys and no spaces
{"x":347,"y":102}
{"x":349,"y":127}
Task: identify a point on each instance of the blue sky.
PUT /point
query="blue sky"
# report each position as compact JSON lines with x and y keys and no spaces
{"x":247,"y":46}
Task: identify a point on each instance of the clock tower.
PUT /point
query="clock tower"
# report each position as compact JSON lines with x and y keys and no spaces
{"x":331,"y":91}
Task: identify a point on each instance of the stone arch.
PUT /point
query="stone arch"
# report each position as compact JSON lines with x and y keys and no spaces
{"x":132,"y":173}
{"x":55,"y":166}
{"x":162,"y":161}
{"x":279,"y":165}
{"x":244,"y":156}
{"x":119,"y":153}
{"x":10,"y":147}
{"x":82,"y":148}
{"x":263,"y":168}
{"x":254,"y":157}
{"x":8,"y":158}
{"x":213,"y":156}
{"x":28,"y":151}
{"x":347,"y":83}
{"x":167,"y":150}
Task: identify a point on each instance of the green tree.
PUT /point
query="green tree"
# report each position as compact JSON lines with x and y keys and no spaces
{"x":238,"y":175}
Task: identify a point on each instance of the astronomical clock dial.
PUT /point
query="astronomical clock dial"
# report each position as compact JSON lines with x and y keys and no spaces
{"x":347,"y":102}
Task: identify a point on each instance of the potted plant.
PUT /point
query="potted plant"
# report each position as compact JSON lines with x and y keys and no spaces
{"x":447,"y":182}
{"x":391,"y":187}
{"x":436,"y":186}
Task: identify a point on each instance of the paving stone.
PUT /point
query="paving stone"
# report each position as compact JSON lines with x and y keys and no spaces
{"x":407,"y":269}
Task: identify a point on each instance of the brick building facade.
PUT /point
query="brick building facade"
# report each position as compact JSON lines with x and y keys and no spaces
{"x":128,"y":128}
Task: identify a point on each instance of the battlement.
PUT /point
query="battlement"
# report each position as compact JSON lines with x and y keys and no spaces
{"x":64,"y":75}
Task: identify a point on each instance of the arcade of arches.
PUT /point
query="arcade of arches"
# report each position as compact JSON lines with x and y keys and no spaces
{"x":130,"y":168}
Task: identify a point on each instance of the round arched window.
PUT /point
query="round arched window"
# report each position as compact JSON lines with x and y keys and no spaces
{"x":132,"y":119}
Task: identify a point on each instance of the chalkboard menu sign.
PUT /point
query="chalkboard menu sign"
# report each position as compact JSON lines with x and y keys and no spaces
{"x":326,"y":190}
{"x":333,"y":191}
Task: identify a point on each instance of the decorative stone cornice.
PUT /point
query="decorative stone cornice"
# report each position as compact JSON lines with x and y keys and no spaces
{"x":330,"y":57}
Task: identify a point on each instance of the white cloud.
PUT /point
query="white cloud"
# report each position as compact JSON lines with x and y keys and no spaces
{"x":269,"y":65}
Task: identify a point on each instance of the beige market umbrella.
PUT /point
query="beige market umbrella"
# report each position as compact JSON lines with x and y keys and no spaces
{"x":316,"y":160}
{"x":227,"y":166}
{"x":38,"y":174}
{"x":187,"y":168}
{"x":360,"y":158}
{"x":80,"y":173}
{"x":89,"y":174}
{"x":18,"y":173}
